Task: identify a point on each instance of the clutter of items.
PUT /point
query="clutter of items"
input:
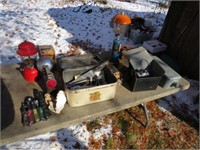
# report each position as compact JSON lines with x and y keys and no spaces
{"x":89,"y":78}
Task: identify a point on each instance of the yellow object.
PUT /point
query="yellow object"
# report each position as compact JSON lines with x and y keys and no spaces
{"x":36,"y":116}
{"x":95,"y":96}
{"x":48,"y":51}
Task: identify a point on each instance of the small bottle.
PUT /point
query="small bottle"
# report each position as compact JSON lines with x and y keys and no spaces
{"x":40,"y":110}
{"x":35,"y":112}
{"x":116,"y":49}
{"x":24,"y":114}
{"x":42,"y":106}
{"x":30,"y":115}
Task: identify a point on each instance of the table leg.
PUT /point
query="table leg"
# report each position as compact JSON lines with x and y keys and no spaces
{"x":143,"y":105}
{"x":146,"y":114}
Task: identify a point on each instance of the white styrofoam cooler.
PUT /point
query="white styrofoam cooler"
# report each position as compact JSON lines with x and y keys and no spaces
{"x":154,"y":46}
{"x":80,"y":97}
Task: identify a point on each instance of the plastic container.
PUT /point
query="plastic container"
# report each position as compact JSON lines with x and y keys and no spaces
{"x":80,"y":97}
{"x":139,"y":38}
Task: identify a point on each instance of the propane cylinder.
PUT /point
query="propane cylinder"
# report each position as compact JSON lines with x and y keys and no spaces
{"x":116,"y":48}
{"x":30,"y":74}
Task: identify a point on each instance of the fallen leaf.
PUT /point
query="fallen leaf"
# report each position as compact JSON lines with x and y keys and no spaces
{"x":172,"y":132}
{"x":115,"y":130}
{"x":53,"y":138}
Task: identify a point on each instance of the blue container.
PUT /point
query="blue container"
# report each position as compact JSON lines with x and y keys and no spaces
{"x":116,"y":49}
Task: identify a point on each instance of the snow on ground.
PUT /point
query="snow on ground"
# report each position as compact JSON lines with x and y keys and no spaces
{"x":59,"y":22}
{"x":184,"y":102}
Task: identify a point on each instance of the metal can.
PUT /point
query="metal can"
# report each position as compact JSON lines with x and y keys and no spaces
{"x":116,"y":49}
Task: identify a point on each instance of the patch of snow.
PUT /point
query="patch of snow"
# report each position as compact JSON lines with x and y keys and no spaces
{"x":55,"y":22}
{"x":184,"y":100}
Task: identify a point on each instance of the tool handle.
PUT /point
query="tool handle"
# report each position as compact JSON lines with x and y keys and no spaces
{"x":101,"y":66}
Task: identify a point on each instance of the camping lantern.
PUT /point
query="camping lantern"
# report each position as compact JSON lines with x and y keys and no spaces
{"x":120,"y":23}
{"x":28,"y":53}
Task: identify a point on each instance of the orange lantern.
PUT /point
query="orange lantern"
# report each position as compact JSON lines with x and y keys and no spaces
{"x":121,"y":23}
{"x":122,"y":19}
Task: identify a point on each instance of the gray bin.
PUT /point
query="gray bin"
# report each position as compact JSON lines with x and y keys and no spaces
{"x":77,"y":61}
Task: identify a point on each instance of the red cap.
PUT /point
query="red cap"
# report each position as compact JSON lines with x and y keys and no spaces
{"x":26,"y":49}
{"x":51,"y":83}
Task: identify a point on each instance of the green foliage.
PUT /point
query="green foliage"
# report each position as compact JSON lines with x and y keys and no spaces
{"x":94,"y":124}
{"x":131,"y":138}
{"x":109,"y":143}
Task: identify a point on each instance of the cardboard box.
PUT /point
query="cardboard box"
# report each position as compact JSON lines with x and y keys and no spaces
{"x":48,"y":51}
{"x":154,"y":46}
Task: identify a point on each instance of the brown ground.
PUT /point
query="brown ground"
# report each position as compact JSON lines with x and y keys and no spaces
{"x":164,"y":131}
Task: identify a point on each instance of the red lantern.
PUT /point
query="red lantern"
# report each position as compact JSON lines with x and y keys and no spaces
{"x":26,"y":49}
{"x":28,"y":53}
